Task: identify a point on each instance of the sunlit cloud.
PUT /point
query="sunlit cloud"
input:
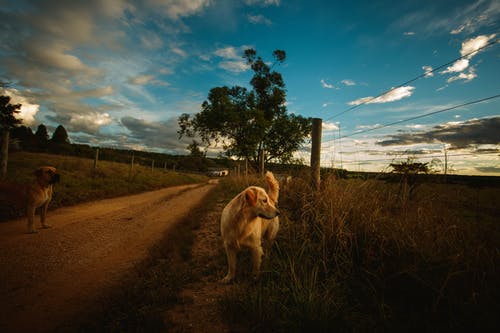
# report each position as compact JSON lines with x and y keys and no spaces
{"x":393,"y":95}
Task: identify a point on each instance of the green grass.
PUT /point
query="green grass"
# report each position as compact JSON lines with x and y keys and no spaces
{"x":79,"y":182}
{"x":357,"y":256}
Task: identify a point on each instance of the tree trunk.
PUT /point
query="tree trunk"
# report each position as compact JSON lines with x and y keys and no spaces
{"x":4,"y":152}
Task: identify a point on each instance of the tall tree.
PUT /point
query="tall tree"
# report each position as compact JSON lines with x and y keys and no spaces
{"x":42,"y":136}
{"x":60,"y":136}
{"x":250,"y":122}
{"x":8,"y":121}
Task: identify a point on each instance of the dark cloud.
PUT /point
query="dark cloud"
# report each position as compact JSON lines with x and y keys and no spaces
{"x":462,"y":135}
{"x":491,"y":169}
{"x":159,"y":135}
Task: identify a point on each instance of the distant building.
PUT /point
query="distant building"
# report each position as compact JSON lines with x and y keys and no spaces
{"x":218,"y":173}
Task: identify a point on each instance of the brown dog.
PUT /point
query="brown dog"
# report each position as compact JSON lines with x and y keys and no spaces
{"x":248,"y":220}
{"x":37,"y":194}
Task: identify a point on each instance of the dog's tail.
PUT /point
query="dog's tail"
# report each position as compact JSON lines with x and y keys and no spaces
{"x":274,"y":187}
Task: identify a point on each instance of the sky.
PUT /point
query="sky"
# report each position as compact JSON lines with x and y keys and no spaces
{"x":389,"y":79}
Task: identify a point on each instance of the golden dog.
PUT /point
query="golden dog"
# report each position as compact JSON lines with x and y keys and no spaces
{"x":248,"y":220}
{"x":32,"y":196}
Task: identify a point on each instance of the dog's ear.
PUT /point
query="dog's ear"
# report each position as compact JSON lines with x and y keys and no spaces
{"x":251,"y":197}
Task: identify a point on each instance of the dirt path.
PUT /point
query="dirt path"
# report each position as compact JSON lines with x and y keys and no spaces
{"x":48,"y":278}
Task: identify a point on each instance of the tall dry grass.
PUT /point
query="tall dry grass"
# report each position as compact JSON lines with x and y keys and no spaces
{"x":362,"y":256}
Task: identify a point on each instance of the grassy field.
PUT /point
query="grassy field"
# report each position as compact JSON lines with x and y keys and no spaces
{"x":357,"y":256}
{"x":361,"y":256}
{"x":79,"y":182}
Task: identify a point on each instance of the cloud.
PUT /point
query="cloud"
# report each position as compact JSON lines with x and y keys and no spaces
{"x":259,"y":19}
{"x":235,"y":66}
{"x":469,"y":49}
{"x":409,"y":33}
{"x":348,"y":82}
{"x":175,"y":9}
{"x":471,"y":75}
{"x":28,"y":111}
{"x":428,"y":71}
{"x":393,"y":95}
{"x":232,"y":58}
{"x":471,"y":46}
{"x":457,"y":67}
{"x":441,"y":18}
{"x":329,"y":126}
{"x":161,"y":135}
{"x":264,"y":3}
{"x":142,"y":80}
{"x":457,"y":134}
{"x":326,"y":85}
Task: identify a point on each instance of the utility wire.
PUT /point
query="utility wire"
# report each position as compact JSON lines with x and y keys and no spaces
{"x":426,"y":73}
{"x":420,"y":157}
{"x":416,"y":117}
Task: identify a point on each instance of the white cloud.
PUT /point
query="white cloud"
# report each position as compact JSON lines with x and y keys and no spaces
{"x":259,"y":19}
{"x":471,"y":75}
{"x":235,"y":66}
{"x":90,"y":122}
{"x":469,"y":49}
{"x":393,"y":95}
{"x":326,"y":85}
{"x":328,"y":126}
{"x":348,"y":82}
{"x":233,"y":58}
{"x":457,"y":67}
{"x":409,"y":33}
{"x":428,"y":71}
{"x":28,"y":111}
{"x":470,"y":46}
{"x":175,"y":9}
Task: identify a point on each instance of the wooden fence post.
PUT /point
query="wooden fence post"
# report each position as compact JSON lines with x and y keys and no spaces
{"x":96,"y":159}
{"x":316,"y":152}
{"x":131,"y":167}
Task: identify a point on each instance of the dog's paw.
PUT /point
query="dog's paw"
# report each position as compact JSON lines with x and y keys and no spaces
{"x":46,"y":226}
{"x":226,"y":280}
{"x":32,"y":231}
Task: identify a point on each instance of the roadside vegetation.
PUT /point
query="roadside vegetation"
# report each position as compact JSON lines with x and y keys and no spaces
{"x":362,"y":256}
{"x":80,"y":182}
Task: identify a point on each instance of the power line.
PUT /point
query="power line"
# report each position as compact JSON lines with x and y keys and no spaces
{"x":420,"y":157}
{"x":416,"y":117}
{"x":426,"y":73}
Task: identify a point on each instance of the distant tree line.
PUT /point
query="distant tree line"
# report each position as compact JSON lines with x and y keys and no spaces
{"x":22,"y":138}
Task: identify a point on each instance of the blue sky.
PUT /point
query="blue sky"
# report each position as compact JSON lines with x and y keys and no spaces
{"x":118,"y":73}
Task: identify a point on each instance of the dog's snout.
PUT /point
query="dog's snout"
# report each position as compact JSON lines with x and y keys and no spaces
{"x":55,"y":178}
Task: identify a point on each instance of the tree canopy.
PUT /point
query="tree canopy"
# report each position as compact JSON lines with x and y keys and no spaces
{"x":60,"y":136}
{"x":249,"y":122}
{"x":8,"y":113}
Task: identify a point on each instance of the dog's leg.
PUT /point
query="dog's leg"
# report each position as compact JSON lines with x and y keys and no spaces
{"x":231,"y":263}
{"x":43,"y":215}
{"x":30,"y":213}
{"x":257,"y":254}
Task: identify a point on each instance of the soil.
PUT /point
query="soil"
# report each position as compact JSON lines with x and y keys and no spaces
{"x":49,"y":278}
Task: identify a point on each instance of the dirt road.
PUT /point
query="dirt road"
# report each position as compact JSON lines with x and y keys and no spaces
{"x":47,"y":279}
